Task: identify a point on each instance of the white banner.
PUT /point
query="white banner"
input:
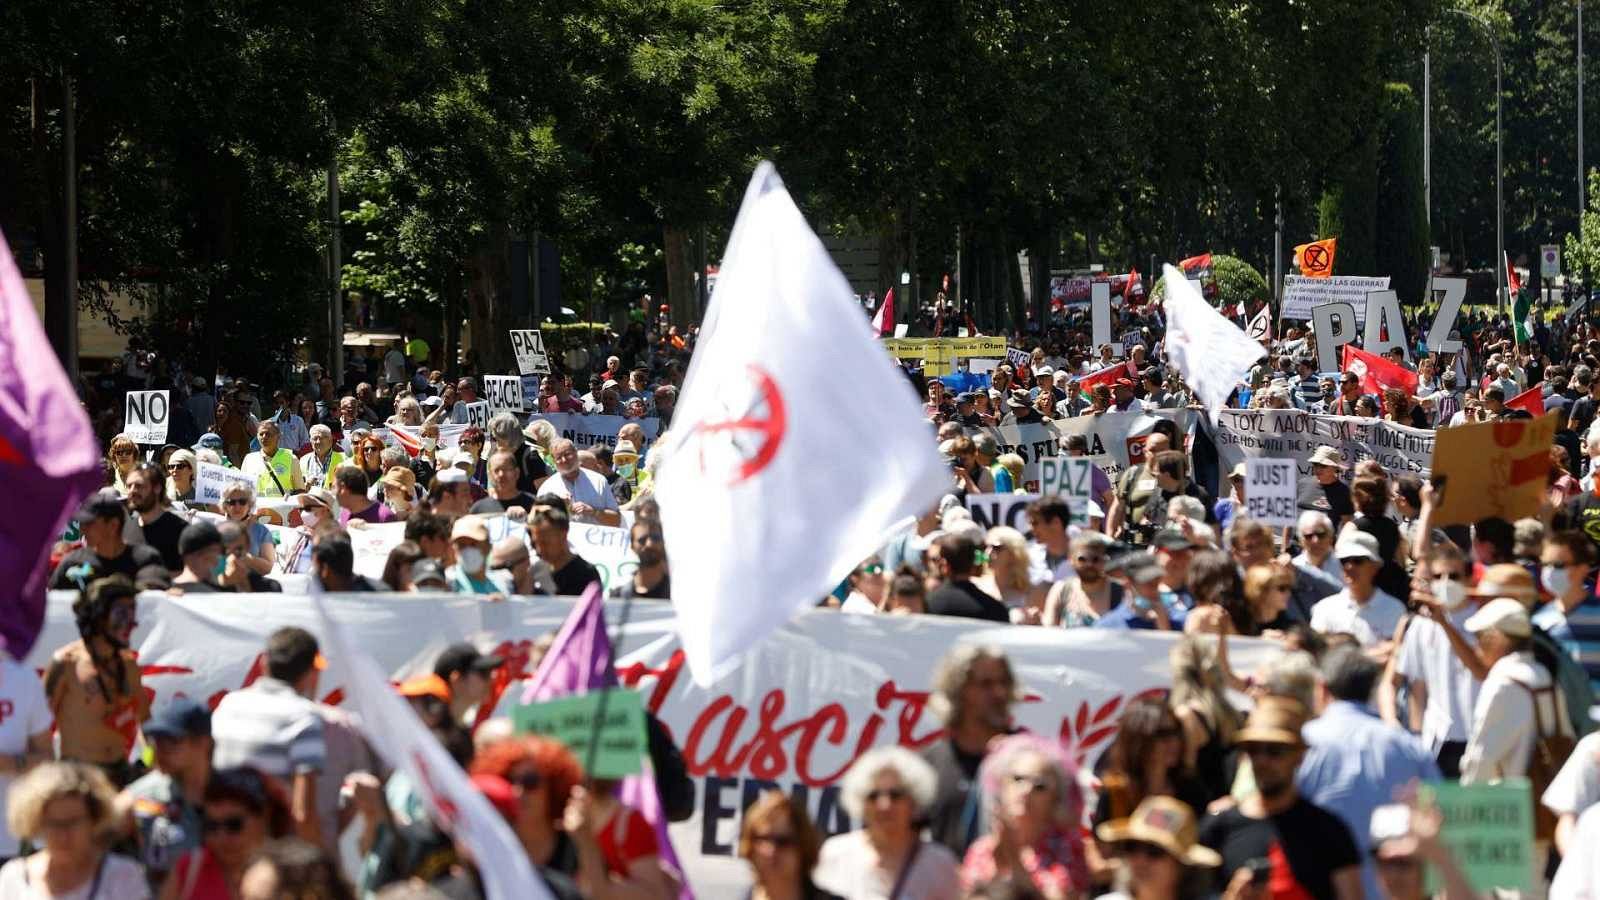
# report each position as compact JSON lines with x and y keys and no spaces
{"x":1293,"y":434}
{"x":503,"y":393}
{"x":1302,"y":294}
{"x":1115,"y":439}
{"x":586,"y":431}
{"x":146,"y":415}
{"x":821,"y":691}
{"x":528,"y":345}
{"x":210,"y":480}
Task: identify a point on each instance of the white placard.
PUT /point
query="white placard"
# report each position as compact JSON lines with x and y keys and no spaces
{"x":478,"y":413}
{"x":1271,"y":491}
{"x":210,"y":480}
{"x":1072,"y":478}
{"x":982,"y":366}
{"x":1550,"y":261}
{"x":146,"y":415}
{"x":503,"y":393}
{"x":528,"y":345}
{"x":1301,"y":295}
{"x":1100,"y":313}
{"x":1334,"y":324}
{"x":1453,"y":292}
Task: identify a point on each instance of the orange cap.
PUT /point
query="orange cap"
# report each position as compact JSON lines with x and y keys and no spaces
{"x":429,"y":685}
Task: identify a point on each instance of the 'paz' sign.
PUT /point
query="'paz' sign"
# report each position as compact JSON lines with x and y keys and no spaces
{"x":1073,"y":478}
{"x":528,"y":345}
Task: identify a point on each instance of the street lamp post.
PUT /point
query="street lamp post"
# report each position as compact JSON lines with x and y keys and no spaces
{"x":1499,"y":168}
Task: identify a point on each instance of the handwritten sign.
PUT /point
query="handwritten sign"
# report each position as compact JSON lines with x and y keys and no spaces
{"x":211,"y":480}
{"x":503,"y":393}
{"x":575,"y":722}
{"x":528,"y":345}
{"x":146,"y":416}
{"x":1488,"y":828}
{"x":478,"y":414}
{"x":1072,"y":477}
{"x":1271,"y":491}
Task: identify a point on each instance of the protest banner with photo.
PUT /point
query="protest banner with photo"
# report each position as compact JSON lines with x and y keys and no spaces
{"x":211,"y":479}
{"x":528,"y":345}
{"x":146,"y":415}
{"x":1493,"y":469}
{"x":1241,"y":434}
{"x":586,"y":431}
{"x":503,"y":393}
{"x":1010,"y":510}
{"x":1116,"y":440}
{"x":1271,"y":491}
{"x":821,"y":691}
{"x":1488,"y":829}
{"x":1302,"y":294}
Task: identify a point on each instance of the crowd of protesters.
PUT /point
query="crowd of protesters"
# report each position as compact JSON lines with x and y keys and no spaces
{"x":1408,"y":653}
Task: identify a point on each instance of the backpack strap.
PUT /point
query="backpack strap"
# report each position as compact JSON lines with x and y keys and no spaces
{"x":1538,"y":713}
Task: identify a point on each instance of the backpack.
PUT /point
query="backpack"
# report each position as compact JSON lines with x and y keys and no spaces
{"x":1551,"y":747}
{"x":1570,"y":677}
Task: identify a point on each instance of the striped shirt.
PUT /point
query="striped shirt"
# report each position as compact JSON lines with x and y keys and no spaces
{"x":1578,"y":633}
{"x":1309,"y":391}
{"x":269,"y":727}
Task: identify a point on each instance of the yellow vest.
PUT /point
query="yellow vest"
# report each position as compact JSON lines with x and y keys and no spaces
{"x":282,"y":465}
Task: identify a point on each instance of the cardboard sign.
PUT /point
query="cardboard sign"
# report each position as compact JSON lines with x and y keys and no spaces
{"x":210,"y":481}
{"x":1493,"y":469}
{"x":528,"y":345}
{"x":1010,"y":510}
{"x":146,"y":415}
{"x":1071,"y":477}
{"x":618,"y":739}
{"x":478,"y":414}
{"x":1488,"y":828}
{"x":1452,"y":292}
{"x":1334,"y":325}
{"x":1385,"y":327}
{"x":503,"y":393}
{"x":1271,"y":491}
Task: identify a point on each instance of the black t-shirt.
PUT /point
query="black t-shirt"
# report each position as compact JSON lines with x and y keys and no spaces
{"x":1305,"y":844}
{"x":161,"y":534}
{"x":140,"y":563}
{"x":662,"y":591}
{"x":1583,"y":513}
{"x":967,"y":600}
{"x":1392,"y":578}
{"x":533,"y":469}
{"x":953,"y":819}
{"x":574,"y":577}
{"x":1335,"y":501}
{"x":489,"y":506}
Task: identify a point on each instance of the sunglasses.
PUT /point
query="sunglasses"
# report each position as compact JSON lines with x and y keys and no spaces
{"x":177,"y":467}
{"x":528,"y":781}
{"x":1283,"y":587}
{"x":1035,"y":785}
{"x":236,"y":501}
{"x":1267,"y":751}
{"x":1318,"y":535}
{"x":891,"y":794}
{"x":780,"y":841}
{"x":230,"y":825}
{"x":1092,"y":560}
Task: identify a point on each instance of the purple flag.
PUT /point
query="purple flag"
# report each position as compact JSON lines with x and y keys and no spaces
{"x":49,"y":460}
{"x":579,"y":661}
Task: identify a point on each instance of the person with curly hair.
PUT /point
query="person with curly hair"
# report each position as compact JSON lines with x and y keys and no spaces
{"x":92,"y":684}
{"x":66,"y":810}
{"x":1034,"y":806}
{"x":542,"y":774}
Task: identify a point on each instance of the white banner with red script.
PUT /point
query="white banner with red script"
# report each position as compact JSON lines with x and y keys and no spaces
{"x":1116,"y":439}
{"x":793,"y":716}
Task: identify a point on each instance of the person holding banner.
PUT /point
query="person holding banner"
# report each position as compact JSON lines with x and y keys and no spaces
{"x":238,"y":505}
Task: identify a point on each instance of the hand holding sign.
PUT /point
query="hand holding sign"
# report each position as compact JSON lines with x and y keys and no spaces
{"x":528,"y":345}
{"x":503,"y":393}
{"x":1270,"y":491}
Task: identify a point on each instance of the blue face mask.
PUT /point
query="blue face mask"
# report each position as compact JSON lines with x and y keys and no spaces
{"x":221,"y":566}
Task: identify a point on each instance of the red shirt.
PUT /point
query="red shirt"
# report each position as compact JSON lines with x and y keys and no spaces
{"x":625,"y":838}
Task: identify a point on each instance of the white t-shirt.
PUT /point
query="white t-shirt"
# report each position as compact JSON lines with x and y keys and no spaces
{"x":1426,"y":659}
{"x":23,"y":712}
{"x":858,"y":603}
{"x":394,"y":366}
{"x":1577,"y":786}
{"x":1579,"y":875}
{"x":121,"y":878}
{"x":1370,"y":624}
{"x":848,"y":866}
{"x":589,"y":487}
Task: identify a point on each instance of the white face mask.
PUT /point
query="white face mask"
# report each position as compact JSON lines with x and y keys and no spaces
{"x":310,"y":517}
{"x":1452,"y":594}
{"x":428,"y":444}
{"x":1556,"y":581}
{"x":471,"y":559}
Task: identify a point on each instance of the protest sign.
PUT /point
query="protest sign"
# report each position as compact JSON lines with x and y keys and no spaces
{"x":1271,"y":491}
{"x":1493,"y":469}
{"x":211,"y":479}
{"x":528,"y":345}
{"x":1451,"y":293}
{"x":617,"y":740}
{"x":1385,"y":327}
{"x":146,"y":415}
{"x":586,"y":431}
{"x":1302,"y":294}
{"x":1334,"y":325}
{"x":1241,"y":434}
{"x":503,"y":393}
{"x":1488,"y":829}
{"x":1018,"y":358}
{"x":1100,"y":314}
{"x":1116,"y":439}
{"x":1010,"y":510}
{"x":1072,"y":478}
{"x":478,"y":414}
{"x":820,"y":692}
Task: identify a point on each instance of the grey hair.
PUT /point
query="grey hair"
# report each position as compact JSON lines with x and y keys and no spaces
{"x":1311,"y":518}
{"x":1293,"y":674}
{"x":1186,"y":506}
{"x":953,"y":673}
{"x":320,"y":430}
{"x":394,"y":456}
{"x":504,"y":428}
{"x":543,"y":433}
{"x":918,"y":777}
{"x":270,"y":425}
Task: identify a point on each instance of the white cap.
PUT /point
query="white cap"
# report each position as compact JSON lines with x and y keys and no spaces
{"x":1357,"y":545}
{"x":451,"y":475}
{"x":1505,"y":615}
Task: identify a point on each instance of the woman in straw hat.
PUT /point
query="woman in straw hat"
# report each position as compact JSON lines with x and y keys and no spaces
{"x":1160,"y":857}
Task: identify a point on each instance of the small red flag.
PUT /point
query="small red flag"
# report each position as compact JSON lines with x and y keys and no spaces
{"x":1531,"y":400}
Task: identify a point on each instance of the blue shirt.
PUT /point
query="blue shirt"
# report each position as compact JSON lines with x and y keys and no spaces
{"x":1124,"y":615}
{"x":1578,"y":633}
{"x":1355,"y":764}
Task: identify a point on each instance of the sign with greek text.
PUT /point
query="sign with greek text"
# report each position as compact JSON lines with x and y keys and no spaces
{"x":1242,"y":434}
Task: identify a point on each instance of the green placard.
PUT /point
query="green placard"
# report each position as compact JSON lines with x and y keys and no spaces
{"x":571,"y":720}
{"x":1489,"y":830}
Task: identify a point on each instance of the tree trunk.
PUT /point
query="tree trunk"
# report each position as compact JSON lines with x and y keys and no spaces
{"x":1041,"y":257}
{"x":891,"y":259}
{"x":680,"y":274}
{"x":60,"y":323}
{"x":488,"y":287}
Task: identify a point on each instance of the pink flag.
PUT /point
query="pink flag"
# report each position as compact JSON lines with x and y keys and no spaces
{"x":49,"y":460}
{"x":580,"y":661}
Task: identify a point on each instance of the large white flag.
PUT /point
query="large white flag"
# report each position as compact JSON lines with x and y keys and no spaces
{"x":1211,"y":353}
{"x":795,"y":447}
{"x":400,"y":738}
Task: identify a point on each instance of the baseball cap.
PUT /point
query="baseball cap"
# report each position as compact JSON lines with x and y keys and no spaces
{"x":451,"y":475}
{"x":197,"y":536}
{"x":1357,"y":545}
{"x":429,"y":685}
{"x":425,"y":571}
{"x":471,"y":528}
{"x":1505,"y":615}
{"x":183,"y":717}
{"x":1172,"y":539}
{"x":464,"y":657}
{"x":966,"y":397}
{"x":209,"y":441}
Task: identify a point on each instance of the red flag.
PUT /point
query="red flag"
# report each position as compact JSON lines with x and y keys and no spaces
{"x":1198,"y":266}
{"x":1513,"y":283}
{"x":1133,"y":287}
{"x":883,"y":321}
{"x":1378,"y":374}
{"x":1107,"y":376}
{"x":1531,"y":400}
